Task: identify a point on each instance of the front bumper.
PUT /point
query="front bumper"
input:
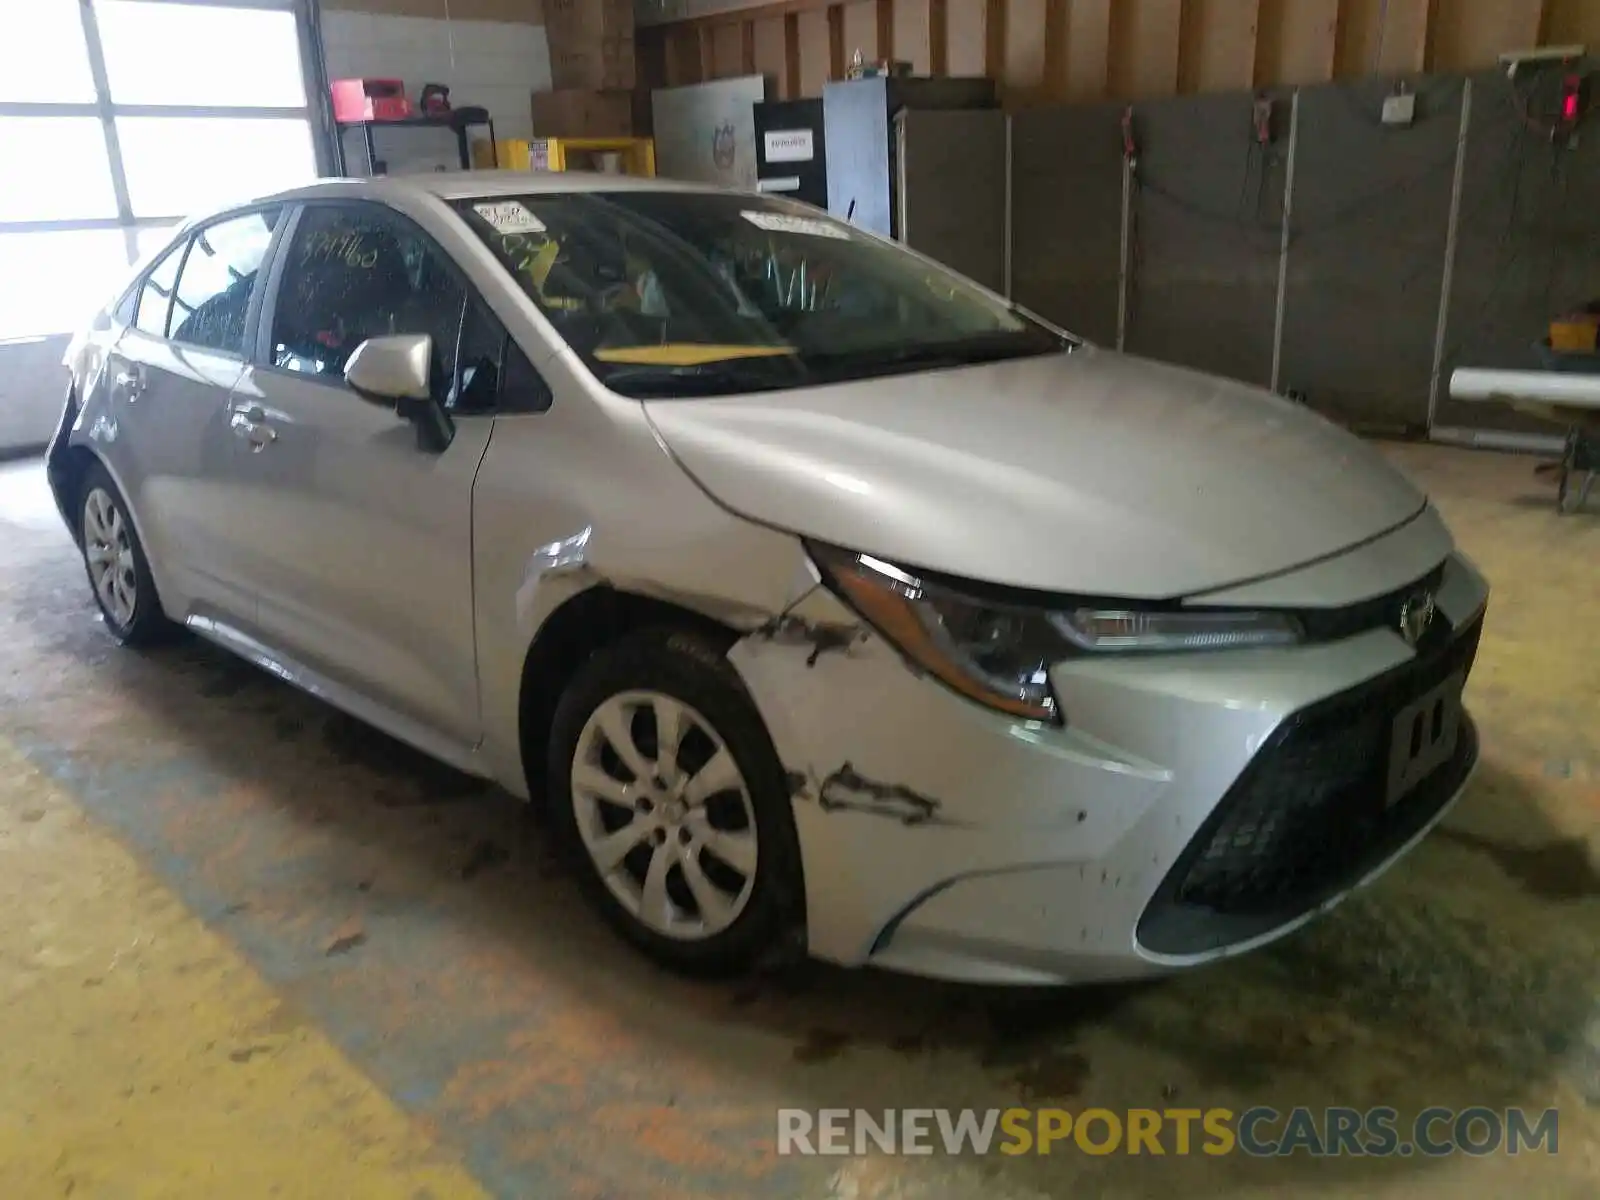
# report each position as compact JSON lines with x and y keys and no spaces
{"x":56,"y":470}
{"x":1194,"y":806}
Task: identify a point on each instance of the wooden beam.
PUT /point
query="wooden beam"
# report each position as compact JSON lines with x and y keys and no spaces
{"x":860,"y":30}
{"x":652,"y":57}
{"x":885,"y":15}
{"x":1217,"y":45}
{"x":792,"y":85}
{"x":747,"y":47}
{"x":1143,"y":37}
{"x":1573,"y":21}
{"x":751,"y":10}
{"x":1408,"y":36}
{"x":965,"y":39}
{"x":939,"y":37}
{"x":815,"y":51}
{"x":727,"y":50}
{"x":1296,"y":41}
{"x":836,"y":52}
{"x":1359,"y":37}
{"x":911,"y":41}
{"x":708,"y":52}
{"x":1472,"y":33}
{"x":1055,"y":49}
{"x":771,"y":51}
{"x":1088,"y":49}
{"x":683,"y":56}
{"x":1026,"y":49}
{"x":994,"y":39}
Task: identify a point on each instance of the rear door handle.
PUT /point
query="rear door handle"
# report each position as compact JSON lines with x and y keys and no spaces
{"x":131,"y":383}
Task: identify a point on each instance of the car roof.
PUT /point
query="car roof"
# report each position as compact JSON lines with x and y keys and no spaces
{"x":461,"y":185}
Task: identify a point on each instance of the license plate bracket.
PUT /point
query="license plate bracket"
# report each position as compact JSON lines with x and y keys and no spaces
{"x":1423,"y":737}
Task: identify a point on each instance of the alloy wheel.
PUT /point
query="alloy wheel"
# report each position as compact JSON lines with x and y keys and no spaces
{"x":109,"y":552}
{"x":665,"y":814}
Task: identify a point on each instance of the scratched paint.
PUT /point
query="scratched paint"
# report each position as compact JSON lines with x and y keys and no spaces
{"x":493,"y":1009}
{"x":563,"y":555}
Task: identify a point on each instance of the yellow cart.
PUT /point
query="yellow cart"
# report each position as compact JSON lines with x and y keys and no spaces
{"x":616,"y":156}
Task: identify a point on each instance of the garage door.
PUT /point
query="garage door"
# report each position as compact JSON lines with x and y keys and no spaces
{"x":120,"y":117}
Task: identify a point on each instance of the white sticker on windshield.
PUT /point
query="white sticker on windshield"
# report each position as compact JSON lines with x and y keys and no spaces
{"x":509,"y":216}
{"x":784,"y":223}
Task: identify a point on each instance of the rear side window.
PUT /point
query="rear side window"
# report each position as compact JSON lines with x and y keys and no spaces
{"x":219,"y":273}
{"x":155,"y":298}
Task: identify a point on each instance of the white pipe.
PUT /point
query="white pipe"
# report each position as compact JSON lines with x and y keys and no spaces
{"x":1549,"y":387}
{"x":1497,"y":439}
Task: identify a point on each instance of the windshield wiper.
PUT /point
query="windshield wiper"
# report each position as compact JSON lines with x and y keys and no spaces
{"x":728,"y":378}
{"x":930,"y":356}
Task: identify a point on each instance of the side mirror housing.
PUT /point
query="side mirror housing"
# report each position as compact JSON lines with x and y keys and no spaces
{"x":393,"y":372}
{"x":384,"y":370}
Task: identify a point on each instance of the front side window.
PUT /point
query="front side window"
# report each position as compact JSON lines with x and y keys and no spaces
{"x":219,"y":273}
{"x":358,"y":271}
{"x":688,"y":293}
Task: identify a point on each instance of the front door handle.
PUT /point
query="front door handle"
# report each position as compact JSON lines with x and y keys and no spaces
{"x":251,"y":424}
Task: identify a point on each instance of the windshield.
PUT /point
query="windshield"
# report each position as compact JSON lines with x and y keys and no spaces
{"x":694,"y":293}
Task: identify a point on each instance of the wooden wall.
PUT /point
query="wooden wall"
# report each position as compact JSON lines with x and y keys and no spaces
{"x":526,"y":11}
{"x":1048,"y":51}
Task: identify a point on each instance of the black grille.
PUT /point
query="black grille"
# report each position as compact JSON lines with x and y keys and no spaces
{"x":1380,"y":612}
{"x":1307,"y":818}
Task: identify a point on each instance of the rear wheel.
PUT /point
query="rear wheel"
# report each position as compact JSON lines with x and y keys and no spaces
{"x":673,"y":806}
{"x":119,"y":572}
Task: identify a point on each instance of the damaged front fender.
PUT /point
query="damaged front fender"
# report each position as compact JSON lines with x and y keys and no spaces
{"x":898,"y":786}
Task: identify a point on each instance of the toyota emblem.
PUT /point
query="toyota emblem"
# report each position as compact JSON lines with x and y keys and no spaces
{"x":1416,"y":614}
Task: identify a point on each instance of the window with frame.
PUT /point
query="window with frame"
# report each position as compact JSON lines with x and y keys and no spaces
{"x":193,"y":130}
{"x":155,"y":295}
{"x":218,"y":276}
{"x":493,"y":372}
{"x":359,"y":271}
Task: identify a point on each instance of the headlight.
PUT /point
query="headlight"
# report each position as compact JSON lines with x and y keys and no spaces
{"x":996,"y":655}
{"x":1102,"y":629}
{"x":1000,"y":654}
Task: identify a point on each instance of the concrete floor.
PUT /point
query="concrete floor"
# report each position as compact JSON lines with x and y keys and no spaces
{"x":249,"y":947}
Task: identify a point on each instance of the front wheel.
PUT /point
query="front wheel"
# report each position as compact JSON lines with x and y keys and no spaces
{"x":119,"y":572}
{"x":673,"y":806}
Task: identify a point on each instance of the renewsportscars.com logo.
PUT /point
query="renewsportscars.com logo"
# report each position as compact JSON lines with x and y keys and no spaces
{"x":1259,"y":1132}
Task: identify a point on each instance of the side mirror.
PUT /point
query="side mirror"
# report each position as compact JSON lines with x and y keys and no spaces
{"x":393,"y":372}
{"x":386,"y":369}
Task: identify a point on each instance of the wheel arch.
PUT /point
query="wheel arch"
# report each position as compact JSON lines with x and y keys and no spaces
{"x":66,"y":472}
{"x":77,"y":460}
{"x":583,"y":624}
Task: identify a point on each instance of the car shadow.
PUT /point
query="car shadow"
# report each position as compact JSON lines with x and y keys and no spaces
{"x":1465,"y":977}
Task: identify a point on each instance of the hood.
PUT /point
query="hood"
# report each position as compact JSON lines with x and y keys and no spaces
{"x":1091,"y":472}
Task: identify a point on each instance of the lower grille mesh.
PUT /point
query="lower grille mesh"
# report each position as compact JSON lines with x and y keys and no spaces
{"x":1307,"y":818}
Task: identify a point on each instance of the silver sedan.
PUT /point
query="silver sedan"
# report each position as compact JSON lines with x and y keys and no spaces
{"x":829,"y":601}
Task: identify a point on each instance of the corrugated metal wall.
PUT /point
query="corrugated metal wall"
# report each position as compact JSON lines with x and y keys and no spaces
{"x":1366,"y":247}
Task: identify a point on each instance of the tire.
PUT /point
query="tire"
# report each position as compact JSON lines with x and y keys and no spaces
{"x":739,"y":840}
{"x":126,"y":597}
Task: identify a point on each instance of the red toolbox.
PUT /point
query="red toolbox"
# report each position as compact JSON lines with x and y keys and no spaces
{"x":369,"y":100}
